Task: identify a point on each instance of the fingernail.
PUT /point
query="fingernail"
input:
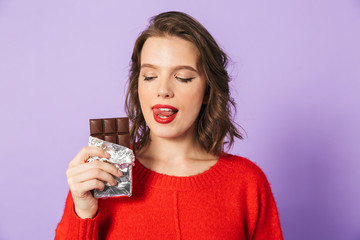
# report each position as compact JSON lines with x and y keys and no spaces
{"x":119,"y":173}
{"x":107,"y":154}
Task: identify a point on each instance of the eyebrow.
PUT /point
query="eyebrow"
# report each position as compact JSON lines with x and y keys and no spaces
{"x":186,"y":67}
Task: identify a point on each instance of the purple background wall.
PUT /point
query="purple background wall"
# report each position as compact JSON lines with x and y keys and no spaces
{"x":296,"y":72}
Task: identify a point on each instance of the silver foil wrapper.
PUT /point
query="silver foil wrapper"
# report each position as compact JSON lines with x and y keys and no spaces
{"x":123,"y":159}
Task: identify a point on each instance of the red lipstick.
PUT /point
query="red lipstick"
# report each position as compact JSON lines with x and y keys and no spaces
{"x":164,"y":113}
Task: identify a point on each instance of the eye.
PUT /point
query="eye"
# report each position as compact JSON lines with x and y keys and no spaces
{"x":185,"y":80}
{"x":147,"y":78}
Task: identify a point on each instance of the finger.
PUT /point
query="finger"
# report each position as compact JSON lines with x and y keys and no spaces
{"x":104,"y":166}
{"x":79,"y":189}
{"x":92,"y":174}
{"x":86,"y":152}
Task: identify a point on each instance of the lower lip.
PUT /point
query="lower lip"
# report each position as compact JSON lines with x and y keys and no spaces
{"x":164,"y":120}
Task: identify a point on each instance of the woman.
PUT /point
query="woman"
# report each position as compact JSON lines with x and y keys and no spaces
{"x":184,"y":185}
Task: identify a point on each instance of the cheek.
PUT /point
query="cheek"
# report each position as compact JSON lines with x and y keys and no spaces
{"x":196,"y":95}
{"x":142,"y":88}
{"x":193,"y":100}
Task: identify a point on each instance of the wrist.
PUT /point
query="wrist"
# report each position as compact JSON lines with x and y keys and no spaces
{"x":83,"y":214}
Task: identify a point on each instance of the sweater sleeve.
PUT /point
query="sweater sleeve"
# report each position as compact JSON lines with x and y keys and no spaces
{"x":266,"y":223}
{"x":72,"y":227}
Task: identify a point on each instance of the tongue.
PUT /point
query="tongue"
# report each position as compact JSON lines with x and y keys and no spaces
{"x":163,"y":113}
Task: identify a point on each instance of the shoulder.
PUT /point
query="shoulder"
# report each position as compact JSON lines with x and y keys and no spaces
{"x":244,"y":169}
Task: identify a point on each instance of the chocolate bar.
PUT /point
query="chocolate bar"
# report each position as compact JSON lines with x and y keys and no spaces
{"x":112,"y":135}
{"x":115,"y":130}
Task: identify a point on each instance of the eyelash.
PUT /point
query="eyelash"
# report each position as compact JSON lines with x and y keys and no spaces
{"x":148,"y":78}
{"x":184,"y":80}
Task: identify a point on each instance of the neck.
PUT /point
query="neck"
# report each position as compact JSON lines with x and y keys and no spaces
{"x":177,"y":151}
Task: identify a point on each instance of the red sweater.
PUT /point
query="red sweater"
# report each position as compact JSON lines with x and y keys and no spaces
{"x":231,"y":200}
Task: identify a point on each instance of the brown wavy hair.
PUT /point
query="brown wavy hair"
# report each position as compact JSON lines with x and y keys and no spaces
{"x":215,"y":120}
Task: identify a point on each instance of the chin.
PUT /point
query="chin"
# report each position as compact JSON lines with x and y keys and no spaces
{"x":163,"y":135}
{"x":166,"y":133}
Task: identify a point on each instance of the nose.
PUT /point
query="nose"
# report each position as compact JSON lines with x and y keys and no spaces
{"x":165,"y":89}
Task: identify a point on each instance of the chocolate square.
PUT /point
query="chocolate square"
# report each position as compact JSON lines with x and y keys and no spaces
{"x":122,"y":125}
{"x":110,"y":138}
{"x":123,"y":139}
{"x":109,"y":125}
{"x":96,"y":126}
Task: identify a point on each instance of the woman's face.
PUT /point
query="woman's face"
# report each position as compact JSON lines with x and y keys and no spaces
{"x":171,"y":88}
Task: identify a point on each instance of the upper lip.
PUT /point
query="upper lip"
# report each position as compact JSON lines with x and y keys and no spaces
{"x":164,"y":106}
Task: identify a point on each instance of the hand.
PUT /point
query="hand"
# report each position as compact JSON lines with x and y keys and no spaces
{"x":83,"y":177}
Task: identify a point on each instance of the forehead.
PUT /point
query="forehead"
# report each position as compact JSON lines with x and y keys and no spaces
{"x":169,"y":51}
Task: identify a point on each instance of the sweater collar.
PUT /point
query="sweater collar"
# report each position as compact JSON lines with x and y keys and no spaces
{"x":206,"y":179}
